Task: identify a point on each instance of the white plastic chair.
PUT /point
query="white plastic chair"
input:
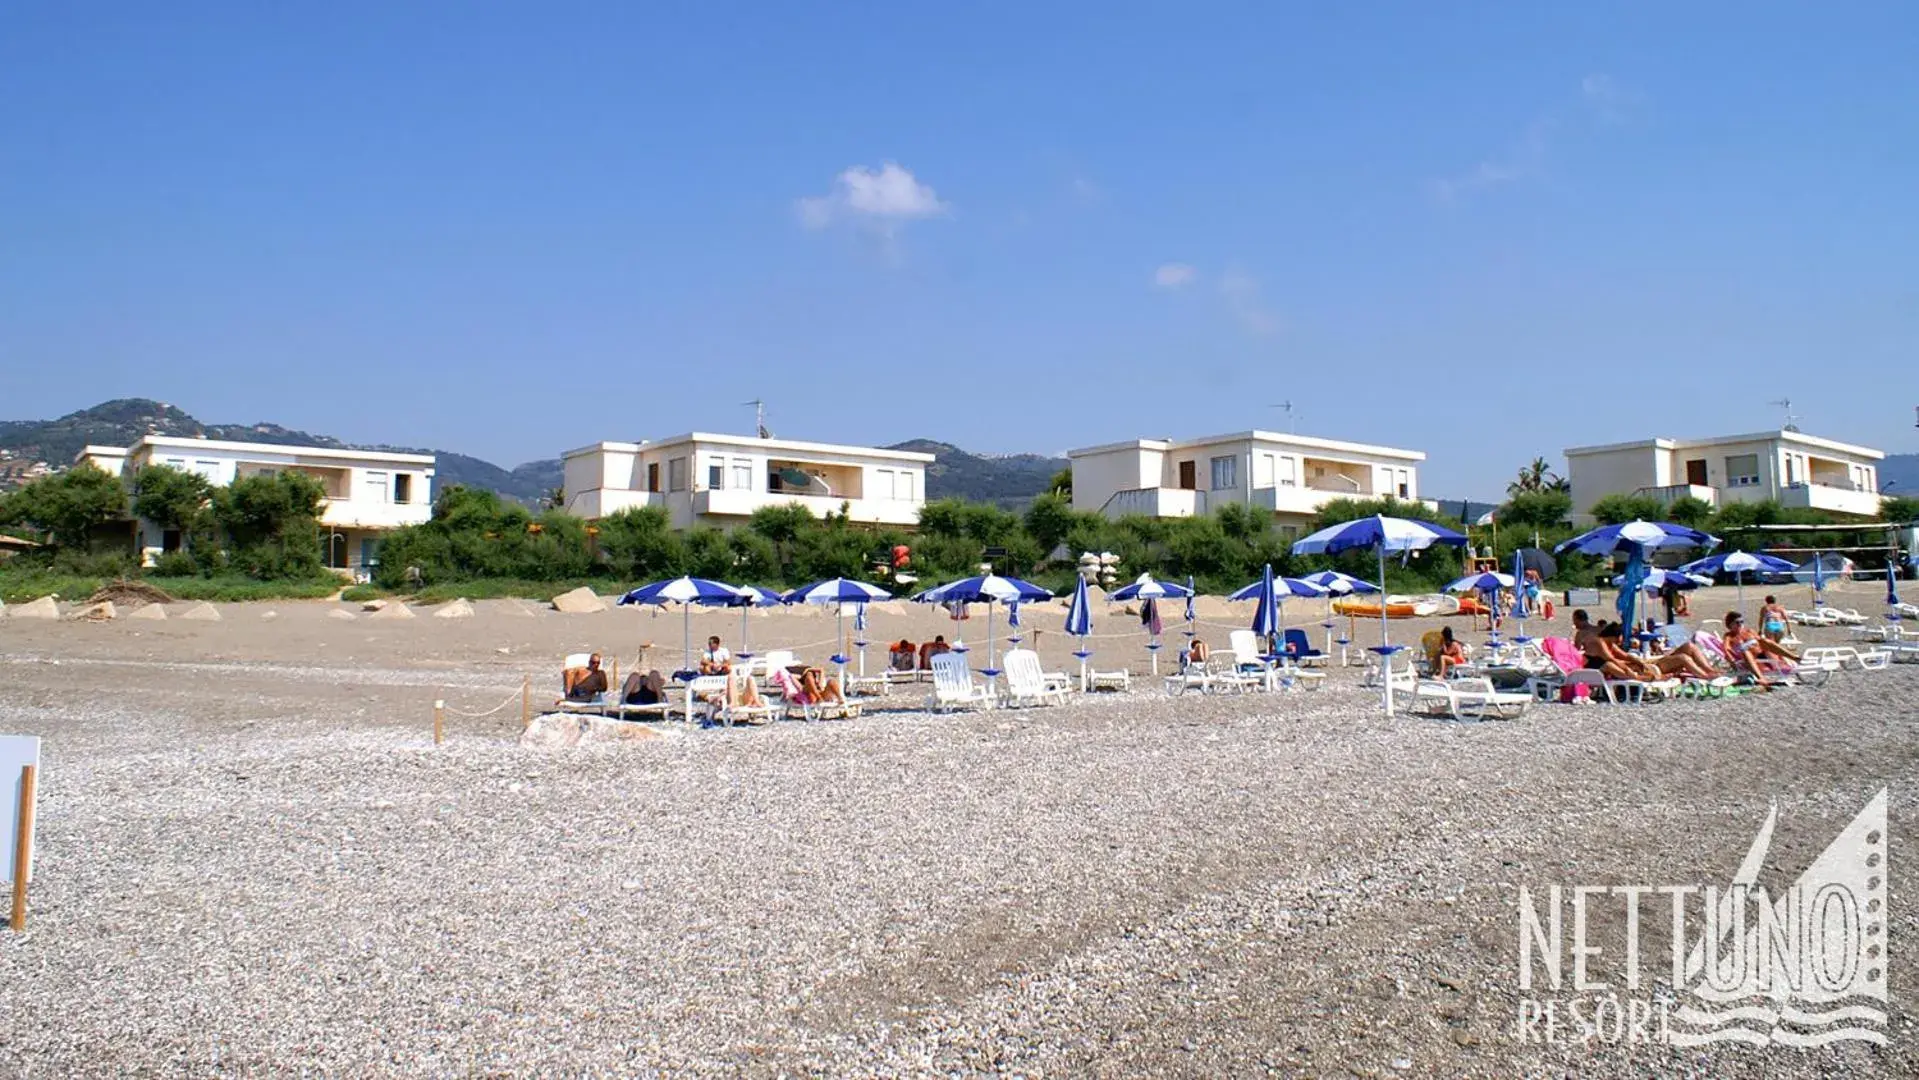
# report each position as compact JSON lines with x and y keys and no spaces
{"x":1026,"y":682}
{"x":953,"y":685}
{"x":1469,"y":699}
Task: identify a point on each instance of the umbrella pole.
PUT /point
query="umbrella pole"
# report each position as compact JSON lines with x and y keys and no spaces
{"x":1385,"y":656}
{"x":1082,"y":663}
{"x":991,"y":666}
{"x":1740,"y":577}
{"x":686,"y":636}
{"x":744,"y":609}
{"x":839,"y":651}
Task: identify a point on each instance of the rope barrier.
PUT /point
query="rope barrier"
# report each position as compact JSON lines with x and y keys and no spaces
{"x":515,"y":696}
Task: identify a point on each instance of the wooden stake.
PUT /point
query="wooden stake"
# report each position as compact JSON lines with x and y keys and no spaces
{"x":526,"y":702}
{"x":439,"y":722}
{"x":22,"y":849}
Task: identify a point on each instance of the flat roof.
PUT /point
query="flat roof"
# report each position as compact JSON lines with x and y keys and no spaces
{"x":279,"y":449}
{"x":1722,"y":440}
{"x":792,"y":446}
{"x":1303,"y":442}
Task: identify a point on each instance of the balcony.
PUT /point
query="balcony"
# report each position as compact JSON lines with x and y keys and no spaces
{"x":1156,"y":502}
{"x":361,"y":514}
{"x":1836,"y":498}
{"x":1671,"y":493}
{"x":1289,"y":499}
{"x":740,"y":504}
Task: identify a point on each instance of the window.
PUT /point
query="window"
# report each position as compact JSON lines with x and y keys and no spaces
{"x":883,"y":483}
{"x":742,"y":474}
{"x":1288,"y":472}
{"x":208,"y":469}
{"x":402,"y":487}
{"x":1405,"y":484}
{"x":1696,"y":472}
{"x":716,"y":477}
{"x":653,"y":476}
{"x":1289,"y":533}
{"x":374,"y":489}
{"x":1188,"y":475}
{"x":676,"y":474}
{"x":1742,"y":470}
{"x":1225,"y":473}
{"x":904,"y":488}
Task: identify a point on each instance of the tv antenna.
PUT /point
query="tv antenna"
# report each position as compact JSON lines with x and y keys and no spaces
{"x":759,"y":418}
{"x":1292,"y":422}
{"x":1792,"y":420}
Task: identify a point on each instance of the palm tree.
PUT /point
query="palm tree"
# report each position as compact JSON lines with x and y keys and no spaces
{"x":1537,"y":476}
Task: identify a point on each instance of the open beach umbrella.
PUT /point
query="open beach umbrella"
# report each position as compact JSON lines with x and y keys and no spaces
{"x":1636,"y":538}
{"x":1079,"y":623}
{"x":1385,"y":534}
{"x":685,"y":591}
{"x":1280,"y":588}
{"x":1338,"y":584}
{"x":752,"y":596}
{"x":1657,"y":579}
{"x":1738,"y":564}
{"x":1485,"y":581}
{"x":839,"y":592}
{"x":988,"y":589}
{"x":1146,"y":589}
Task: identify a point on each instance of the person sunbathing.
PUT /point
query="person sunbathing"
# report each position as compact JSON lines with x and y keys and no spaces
{"x":716,"y":660}
{"x":584,"y":684}
{"x":931,"y":649}
{"x":647,"y":689}
{"x":804,"y":685}
{"x":1196,"y":654}
{"x":1451,"y":653}
{"x":1684,"y":661}
{"x":1754,"y":654}
{"x":902,"y":656}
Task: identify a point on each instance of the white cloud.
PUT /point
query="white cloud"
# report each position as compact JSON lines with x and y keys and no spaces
{"x":1243,"y":297}
{"x":883,"y":198}
{"x":1524,"y":159}
{"x":1174,"y":276}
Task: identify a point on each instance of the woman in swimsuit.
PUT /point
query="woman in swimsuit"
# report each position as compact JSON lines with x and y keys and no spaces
{"x":1772,"y":620}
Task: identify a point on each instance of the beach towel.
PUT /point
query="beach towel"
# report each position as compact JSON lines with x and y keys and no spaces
{"x":1149,"y":617}
{"x":1567,"y":658}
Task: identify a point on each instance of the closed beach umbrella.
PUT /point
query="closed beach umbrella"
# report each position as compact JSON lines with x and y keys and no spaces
{"x":839,"y":592}
{"x":1079,"y":623}
{"x":686,"y":592}
{"x":1281,"y":588}
{"x":1384,"y":534}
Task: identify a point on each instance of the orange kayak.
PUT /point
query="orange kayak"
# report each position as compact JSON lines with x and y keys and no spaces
{"x":1364,"y":609}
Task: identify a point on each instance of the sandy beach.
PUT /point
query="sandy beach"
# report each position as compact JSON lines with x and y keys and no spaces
{"x":253,"y":859}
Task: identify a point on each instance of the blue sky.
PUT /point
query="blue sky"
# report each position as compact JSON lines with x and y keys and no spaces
{"x":1485,"y":232}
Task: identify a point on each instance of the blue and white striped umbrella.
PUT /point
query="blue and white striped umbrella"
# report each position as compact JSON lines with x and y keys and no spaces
{"x":1146,"y":587}
{"x":1338,"y":584}
{"x":685,"y":591}
{"x":1892,"y":583}
{"x":1641,"y":535}
{"x":752,"y":596}
{"x":1191,"y":616}
{"x":1485,"y":581}
{"x":1636,"y":538}
{"x":1383,"y":534}
{"x":1283,"y":587}
{"x":987,"y":589}
{"x":1079,"y":623}
{"x":1657,"y":579}
{"x":839,"y":592}
{"x":1266,"y":614}
{"x":1738,"y":564}
{"x":1279,"y":588}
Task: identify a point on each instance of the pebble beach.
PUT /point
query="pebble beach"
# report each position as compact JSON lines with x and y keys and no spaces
{"x":254,"y":860}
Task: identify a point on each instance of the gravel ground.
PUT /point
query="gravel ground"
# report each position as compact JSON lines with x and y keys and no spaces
{"x":253,"y":860}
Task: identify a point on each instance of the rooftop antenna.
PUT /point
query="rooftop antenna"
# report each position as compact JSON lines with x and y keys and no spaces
{"x":1292,"y":422}
{"x":759,"y":418}
{"x":1792,"y":421}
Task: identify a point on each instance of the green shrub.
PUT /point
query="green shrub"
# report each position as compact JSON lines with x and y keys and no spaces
{"x":175,"y":564}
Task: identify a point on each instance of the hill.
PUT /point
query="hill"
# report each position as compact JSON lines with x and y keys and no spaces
{"x":1010,"y":480}
{"x":120,"y":422}
{"x":29,"y":447}
{"x":1899,"y":474}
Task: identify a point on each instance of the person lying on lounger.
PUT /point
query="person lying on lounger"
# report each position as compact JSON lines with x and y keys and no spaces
{"x":584,"y":684}
{"x":931,"y":649}
{"x":1761,"y":657}
{"x":1196,"y":654}
{"x":804,"y":685}
{"x":1451,"y":653}
{"x":647,"y":689}
{"x":1685,"y":661}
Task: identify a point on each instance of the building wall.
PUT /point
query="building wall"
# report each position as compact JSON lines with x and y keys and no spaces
{"x":1594,"y":476}
{"x":706,"y":481}
{"x":1097,"y":477}
{"x":1291,"y":479}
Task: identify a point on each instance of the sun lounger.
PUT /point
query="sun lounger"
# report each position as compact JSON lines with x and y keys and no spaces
{"x":1845,"y":616}
{"x":1299,"y":649}
{"x":1843,"y":657}
{"x":1468,"y":699}
{"x":953,"y":685}
{"x":728,"y":710}
{"x":1109,"y":680}
{"x":1026,"y":682}
{"x":595,"y":705}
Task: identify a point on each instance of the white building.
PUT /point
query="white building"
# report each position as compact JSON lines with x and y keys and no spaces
{"x":1796,"y":469}
{"x":706,"y":479}
{"x":367,"y":492}
{"x":1290,"y":475}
